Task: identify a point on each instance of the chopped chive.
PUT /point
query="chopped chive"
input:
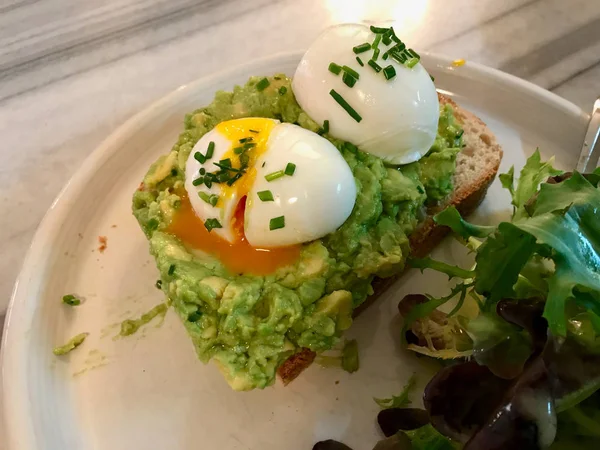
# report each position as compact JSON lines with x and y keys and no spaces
{"x":277,"y":78}
{"x":200,"y":157}
{"x":265,"y":196}
{"x":238,"y":150}
{"x":361,"y":48}
{"x":277,"y":223}
{"x":223,"y":177}
{"x":384,"y":56}
{"x":225,"y":162}
{"x":244,"y":159}
{"x":198,"y":181}
{"x":158,"y":284}
{"x":248,"y":145}
{"x":207,"y":182}
{"x":262,"y":84}
{"x":325,"y":127}
{"x":389,"y":72}
{"x":348,"y":79}
{"x":413,"y":53}
{"x":351,"y":147}
{"x":376,"y":67}
{"x":71,"y":300}
{"x":282,"y":90}
{"x":273,"y":176}
{"x":174,"y":172}
{"x":204,"y":196}
{"x":234,"y":179}
{"x":400,"y":58}
{"x":171,"y":270}
{"x":290,"y":169}
{"x":253,"y":131}
{"x":359,"y":61}
{"x":387,"y":39}
{"x":344,"y":104}
{"x":335,"y":68}
{"x":211,"y":224}
{"x":210,"y":150}
{"x":202,"y":170}
{"x":263,"y":164}
{"x":412,"y":62}
{"x":375,"y":54}
{"x":351,"y":71}
{"x":194,"y":317}
{"x":210,"y":199}
{"x":376,"y":42}
{"x":460,"y":133}
{"x":246,"y":139}
{"x":378,"y":30}
{"x":432,"y":78}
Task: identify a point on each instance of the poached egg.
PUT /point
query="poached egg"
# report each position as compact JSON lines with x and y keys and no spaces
{"x":257,"y":188}
{"x":399,"y":116}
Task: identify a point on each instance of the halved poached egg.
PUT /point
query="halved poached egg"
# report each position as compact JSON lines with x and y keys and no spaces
{"x":267,"y":184}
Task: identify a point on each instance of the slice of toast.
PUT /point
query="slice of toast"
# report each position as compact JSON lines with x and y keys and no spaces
{"x":476,"y":168}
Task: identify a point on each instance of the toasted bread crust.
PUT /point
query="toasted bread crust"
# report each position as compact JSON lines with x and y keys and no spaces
{"x":466,"y":197}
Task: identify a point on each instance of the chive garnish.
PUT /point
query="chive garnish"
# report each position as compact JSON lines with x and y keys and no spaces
{"x":325,"y":128}
{"x":253,"y":131}
{"x":334,"y":68}
{"x":351,"y":71}
{"x":351,"y":147}
{"x":359,"y":61}
{"x":262,"y":84}
{"x":412,"y":62}
{"x":238,"y":150}
{"x":211,"y":199}
{"x":198,"y":181}
{"x":234,"y":179}
{"x":282,"y":90}
{"x":200,"y":157}
{"x":210,"y":150}
{"x":387,"y":38}
{"x":207,"y":182}
{"x":71,"y":300}
{"x":376,"y":67}
{"x":389,"y":72}
{"x":432,"y":78}
{"x":263,"y":164}
{"x":348,"y":79}
{"x":210,"y":224}
{"x":171,"y":270}
{"x":378,"y":30}
{"x":376,"y":42}
{"x":202,"y":170}
{"x":174,"y":172}
{"x":344,"y":104}
{"x":413,"y":53}
{"x":195,"y":316}
{"x":273,"y":176}
{"x":276,"y":223}
{"x":248,"y":145}
{"x":246,"y":139}
{"x":375,"y":54}
{"x":361,"y":48}
{"x":265,"y":196}
{"x":290,"y":169}
{"x":158,"y":284}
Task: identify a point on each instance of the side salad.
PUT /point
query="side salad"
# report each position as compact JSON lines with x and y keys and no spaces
{"x":520,"y":349}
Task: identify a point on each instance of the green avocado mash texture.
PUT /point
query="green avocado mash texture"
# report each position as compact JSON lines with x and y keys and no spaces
{"x":250,"y":324}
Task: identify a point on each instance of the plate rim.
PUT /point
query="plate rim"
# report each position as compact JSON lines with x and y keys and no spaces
{"x":18,"y":315}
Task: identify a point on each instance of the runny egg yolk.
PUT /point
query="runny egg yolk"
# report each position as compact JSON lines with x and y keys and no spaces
{"x":239,"y":256}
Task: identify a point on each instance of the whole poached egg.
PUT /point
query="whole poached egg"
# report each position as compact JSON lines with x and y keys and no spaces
{"x":260,"y":187}
{"x":398,"y":117}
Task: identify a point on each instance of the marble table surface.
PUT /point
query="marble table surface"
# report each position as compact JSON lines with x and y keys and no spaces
{"x":72,"y":71}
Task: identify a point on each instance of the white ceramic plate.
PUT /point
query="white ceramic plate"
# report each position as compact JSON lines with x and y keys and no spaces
{"x":148,"y":391}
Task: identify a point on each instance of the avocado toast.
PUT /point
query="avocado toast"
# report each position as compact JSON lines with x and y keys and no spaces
{"x":254,"y":326}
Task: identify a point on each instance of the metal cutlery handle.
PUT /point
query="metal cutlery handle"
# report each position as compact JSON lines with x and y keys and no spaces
{"x":590,"y":154}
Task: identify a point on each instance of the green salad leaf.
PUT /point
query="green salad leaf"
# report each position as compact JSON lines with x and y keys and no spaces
{"x":533,"y":173}
{"x":451,"y":218}
{"x":399,"y":401}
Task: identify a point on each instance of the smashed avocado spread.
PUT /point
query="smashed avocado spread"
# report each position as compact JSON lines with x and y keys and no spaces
{"x":250,"y":324}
